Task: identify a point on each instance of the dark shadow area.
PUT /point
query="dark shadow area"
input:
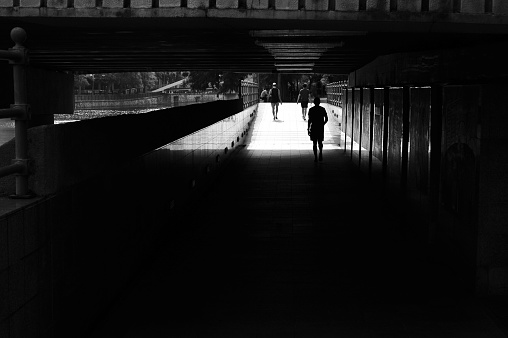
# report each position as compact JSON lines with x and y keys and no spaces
{"x":283,"y":247}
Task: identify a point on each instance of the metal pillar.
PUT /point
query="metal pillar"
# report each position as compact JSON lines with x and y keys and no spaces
{"x":20,"y":112}
{"x":371,"y":127}
{"x":386,"y":122}
{"x":360,"y":128}
{"x":406,"y":106}
{"x":436,"y":125}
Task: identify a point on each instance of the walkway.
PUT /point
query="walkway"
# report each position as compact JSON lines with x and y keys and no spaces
{"x":285,"y":247}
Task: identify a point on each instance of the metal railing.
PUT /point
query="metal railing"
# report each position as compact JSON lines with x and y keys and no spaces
{"x":249,"y":93}
{"x":19,"y":111}
{"x":335,"y":93}
{"x":131,"y":102}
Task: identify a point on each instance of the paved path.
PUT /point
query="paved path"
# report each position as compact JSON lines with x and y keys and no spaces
{"x":285,"y":247}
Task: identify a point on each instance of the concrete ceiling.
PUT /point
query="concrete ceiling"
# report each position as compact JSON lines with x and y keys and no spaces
{"x":294,"y":44}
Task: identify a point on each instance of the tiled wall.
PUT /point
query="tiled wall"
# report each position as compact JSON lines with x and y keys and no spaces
{"x":469,"y":226}
{"x":65,"y":256}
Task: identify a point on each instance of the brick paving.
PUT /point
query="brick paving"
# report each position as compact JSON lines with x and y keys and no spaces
{"x":284,"y":247}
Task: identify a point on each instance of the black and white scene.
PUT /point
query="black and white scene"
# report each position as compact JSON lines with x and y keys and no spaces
{"x":253,"y":169}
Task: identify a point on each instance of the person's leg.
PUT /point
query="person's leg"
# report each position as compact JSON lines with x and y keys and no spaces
{"x":273,"y":110}
{"x":314,"y":148}
{"x":320,"y":149}
{"x":276,"y":109}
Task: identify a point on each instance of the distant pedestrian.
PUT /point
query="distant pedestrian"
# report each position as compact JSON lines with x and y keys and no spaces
{"x":274,"y":97}
{"x":264,"y":95}
{"x":316,"y":127}
{"x":303,"y":97}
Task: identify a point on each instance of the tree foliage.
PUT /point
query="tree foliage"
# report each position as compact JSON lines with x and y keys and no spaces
{"x":81,"y":81}
{"x":139,"y":80}
{"x":222,"y":82}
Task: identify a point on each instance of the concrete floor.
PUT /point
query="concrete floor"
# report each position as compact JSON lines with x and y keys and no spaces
{"x":285,"y":247}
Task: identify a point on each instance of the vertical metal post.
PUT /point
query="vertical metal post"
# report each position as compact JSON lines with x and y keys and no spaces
{"x":406,"y":106}
{"x":240,"y":94}
{"x":18,"y":35}
{"x":371,"y":128}
{"x":436,"y":125}
{"x":352,"y":120}
{"x":360,"y":129}
{"x":344,"y":115}
{"x":386,"y":126}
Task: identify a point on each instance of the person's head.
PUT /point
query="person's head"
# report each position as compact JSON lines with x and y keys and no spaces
{"x":274,"y":84}
{"x":304,"y":85}
{"x":317,"y":101}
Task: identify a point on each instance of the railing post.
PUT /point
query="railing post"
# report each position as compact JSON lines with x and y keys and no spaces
{"x":248,"y":93}
{"x":18,"y":35}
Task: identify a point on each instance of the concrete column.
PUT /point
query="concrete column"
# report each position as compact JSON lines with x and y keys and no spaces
{"x":360,"y":128}
{"x":345,"y":100}
{"x":386,"y":111}
{"x":49,"y":93}
{"x":371,"y":129}
{"x":406,"y":104}
{"x":352,"y":119}
{"x":436,"y":114}
{"x":492,"y":241}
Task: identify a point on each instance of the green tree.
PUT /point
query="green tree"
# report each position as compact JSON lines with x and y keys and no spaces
{"x":222,"y":82}
{"x":80,"y":82}
{"x":166,"y":78}
{"x":148,"y":80}
{"x":266,"y":80}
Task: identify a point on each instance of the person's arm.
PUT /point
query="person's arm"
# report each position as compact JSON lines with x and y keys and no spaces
{"x":298,"y":99}
{"x":309,"y":119}
{"x":326,"y":116}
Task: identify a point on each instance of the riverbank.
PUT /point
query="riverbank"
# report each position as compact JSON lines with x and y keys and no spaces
{"x":80,"y":115}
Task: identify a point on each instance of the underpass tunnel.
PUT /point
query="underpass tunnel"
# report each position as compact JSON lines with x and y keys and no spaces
{"x":213,"y":220}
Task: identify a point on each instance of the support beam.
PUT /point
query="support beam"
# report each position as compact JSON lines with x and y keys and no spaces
{"x":406,"y":105}
{"x":436,"y":115}
{"x":371,"y":129}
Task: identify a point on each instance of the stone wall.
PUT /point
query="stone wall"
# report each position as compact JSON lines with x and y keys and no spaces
{"x":125,"y":102}
{"x":65,"y":255}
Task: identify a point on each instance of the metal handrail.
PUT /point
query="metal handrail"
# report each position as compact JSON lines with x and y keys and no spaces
{"x":19,"y":111}
{"x":249,"y":93}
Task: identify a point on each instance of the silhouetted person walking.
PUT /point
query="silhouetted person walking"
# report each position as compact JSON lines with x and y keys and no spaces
{"x":303,"y":97}
{"x":316,"y":127}
{"x":264,"y":95}
{"x":274,"y":96}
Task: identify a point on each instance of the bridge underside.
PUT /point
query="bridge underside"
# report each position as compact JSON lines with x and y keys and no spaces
{"x":263,"y":41}
{"x":424,"y":112}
